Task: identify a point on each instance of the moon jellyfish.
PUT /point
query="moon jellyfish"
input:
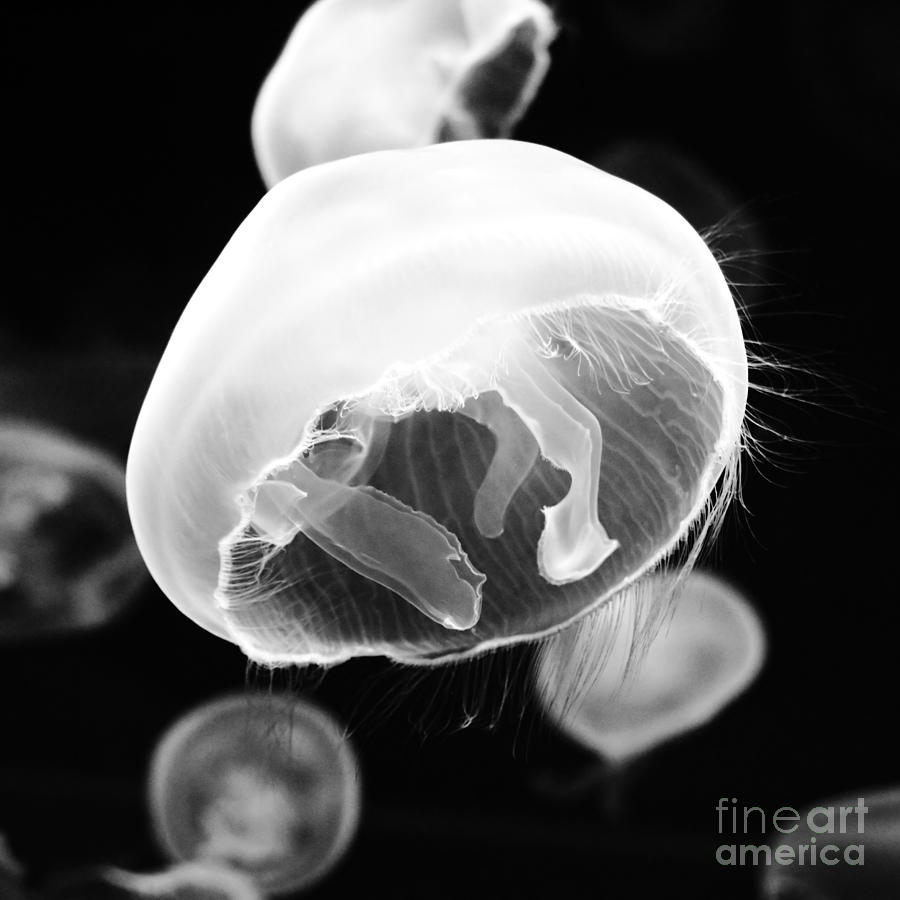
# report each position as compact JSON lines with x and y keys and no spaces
{"x":67,"y":557}
{"x":363,"y":75}
{"x":836,"y":850}
{"x":432,"y":402}
{"x":620,"y":705}
{"x":265,"y":784}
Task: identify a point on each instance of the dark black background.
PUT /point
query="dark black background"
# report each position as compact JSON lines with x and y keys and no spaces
{"x":129,"y":168}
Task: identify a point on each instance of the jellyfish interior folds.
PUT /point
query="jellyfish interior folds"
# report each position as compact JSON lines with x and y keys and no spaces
{"x":363,"y":75}
{"x":431,"y":402}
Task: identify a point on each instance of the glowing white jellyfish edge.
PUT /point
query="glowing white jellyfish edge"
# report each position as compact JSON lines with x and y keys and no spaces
{"x":434,"y":401}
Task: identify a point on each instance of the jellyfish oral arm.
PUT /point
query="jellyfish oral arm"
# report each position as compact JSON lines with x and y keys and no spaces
{"x":515,"y":455}
{"x":574,"y":543}
{"x":378,"y":537}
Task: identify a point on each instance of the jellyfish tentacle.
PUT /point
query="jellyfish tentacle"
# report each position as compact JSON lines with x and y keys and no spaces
{"x":573,"y":543}
{"x":514,"y":457}
{"x":378,"y":537}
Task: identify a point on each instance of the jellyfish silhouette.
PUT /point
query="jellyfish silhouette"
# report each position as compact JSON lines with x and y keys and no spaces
{"x":68,"y":560}
{"x":620,"y":703}
{"x":837,"y":849}
{"x":432,"y":402}
{"x":363,"y":75}
{"x":266,"y":785}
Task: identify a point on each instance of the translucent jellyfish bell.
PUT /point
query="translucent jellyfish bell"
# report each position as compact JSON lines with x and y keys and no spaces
{"x":267,"y":785}
{"x":363,"y":75}
{"x":430,"y":402}
{"x":622,"y":705}
{"x":68,"y":560}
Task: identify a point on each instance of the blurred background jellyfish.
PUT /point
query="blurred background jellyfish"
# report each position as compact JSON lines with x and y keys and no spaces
{"x":265,"y":784}
{"x":621,"y":701}
{"x":837,"y":849}
{"x":432,"y":402}
{"x":363,"y":75}
{"x":68,"y":560}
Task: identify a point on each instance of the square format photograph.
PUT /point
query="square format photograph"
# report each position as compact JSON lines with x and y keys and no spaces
{"x":449,"y":449}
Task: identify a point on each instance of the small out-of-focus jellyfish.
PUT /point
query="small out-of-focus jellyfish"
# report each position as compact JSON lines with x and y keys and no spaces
{"x":265,"y":784}
{"x":837,"y":849}
{"x":363,"y":75}
{"x":68,"y":560}
{"x":432,"y":402}
{"x":620,"y":704}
